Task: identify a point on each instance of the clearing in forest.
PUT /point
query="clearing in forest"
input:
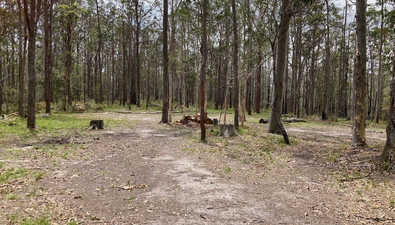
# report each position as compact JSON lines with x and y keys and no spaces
{"x":137,"y":171}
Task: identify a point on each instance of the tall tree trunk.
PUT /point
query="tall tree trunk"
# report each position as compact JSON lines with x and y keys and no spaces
{"x":299,"y":67}
{"x":359,"y":139}
{"x":226,"y":67}
{"x":21,"y":61}
{"x":124,"y":67}
{"x":1,"y":76}
{"x":280,"y":65}
{"x":67,"y":101}
{"x":341,"y":97}
{"x":312,"y":73}
{"x":172,"y":59}
{"x":99,"y":60}
{"x":235,"y":67}
{"x":388,"y":154}
{"x":327,"y":66}
{"x":48,"y":6}
{"x":165,"y":107}
{"x":32,"y":14}
{"x":250,"y":61}
{"x":203,"y":73}
{"x":379,"y":89}
{"x":137,"y":49}
{"x":218,"y":79}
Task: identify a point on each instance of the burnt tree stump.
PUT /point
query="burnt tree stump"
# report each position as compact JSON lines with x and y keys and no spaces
{"x":227,"y":130}
{"x":215,"y":122}
{"x":96,"y":124}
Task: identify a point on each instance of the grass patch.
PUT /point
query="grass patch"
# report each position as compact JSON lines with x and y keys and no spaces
{"x":39,"y":221}
{"x":38,"y":175}
{"x":17,"y":219}
{"x":10,"y":174}
{"x":188,"y":149}
{"x":228,"y":169}
{"x":12,"y":196}
{"x":131,"y":198}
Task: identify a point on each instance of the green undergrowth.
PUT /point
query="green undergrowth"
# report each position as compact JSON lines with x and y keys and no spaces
{"x":55,"y":125}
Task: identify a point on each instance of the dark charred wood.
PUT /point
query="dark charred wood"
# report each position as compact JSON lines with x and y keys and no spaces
{"x":263,"y":121}
{"x":96,"y":124}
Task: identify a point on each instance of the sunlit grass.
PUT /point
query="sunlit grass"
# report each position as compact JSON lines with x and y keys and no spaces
{"x":59,"y":124}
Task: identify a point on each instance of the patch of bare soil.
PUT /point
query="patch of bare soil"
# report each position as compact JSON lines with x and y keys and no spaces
{"x":161,"y":174}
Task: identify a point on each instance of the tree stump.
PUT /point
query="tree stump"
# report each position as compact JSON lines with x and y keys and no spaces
{"x":96,"y":124}
{"x":215,"y":122}
{"x":227,"y":130}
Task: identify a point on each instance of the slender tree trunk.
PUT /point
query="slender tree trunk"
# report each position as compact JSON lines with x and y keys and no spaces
{"x":165,"y":107}
{"x":226,"y":67}
{"x":280,"y":65}
{"x":327,"y":67}
{"x":124,"y":67}
{"x":48,"y":5}
{"x":379,"y":89}
{"x":235,"y":66}
{"x":21,"y":61}
{"x":218,"y":80}
{"x":203,"y":73}
{"x":341,"y":97}
{"x":67,"y":101}
{"x":137,"y":49}
{"x":258,"y":83}
{"x":312,"y":73}
{"x":99,"y":60}
{"x":250,"y":62}
{"x":359,"y":139}
{"x":1,"y":76}
{"x":172,"y":59}
{"x":32,"y":14}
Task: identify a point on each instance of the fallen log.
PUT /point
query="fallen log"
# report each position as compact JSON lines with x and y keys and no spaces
{"x":294,"y":120}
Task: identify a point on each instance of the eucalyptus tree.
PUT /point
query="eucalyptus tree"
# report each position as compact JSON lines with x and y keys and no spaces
{"x":379,"y":74}
{"x":203,"y":75}
{"x":48,"y":52}
{"x":2,"y":37}
{"x":32,"y":11}
{"x":343,"y":73}
{"x":21,"y":59}
{"x":266,"y":24}
{"x":325,"y":109}
{"x":359,"y":123}
{"x":235,"y":66}
{"x":165,"y":97}
{"x":388,"y":154}
{"x":69,"y":17}
{"x":281,"y":55}
{"x":99,"y":62}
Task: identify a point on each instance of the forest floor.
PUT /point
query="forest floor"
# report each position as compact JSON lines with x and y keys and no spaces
{"x":151,"y":173}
